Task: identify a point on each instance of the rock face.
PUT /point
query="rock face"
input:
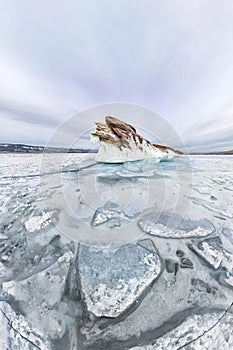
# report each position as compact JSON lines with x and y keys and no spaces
{"x":110,"y":289}
{"x":119,"y":142}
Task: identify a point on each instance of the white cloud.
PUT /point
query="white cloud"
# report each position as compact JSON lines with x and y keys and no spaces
{"x":58,"y":57}
{"x":215,"y":133}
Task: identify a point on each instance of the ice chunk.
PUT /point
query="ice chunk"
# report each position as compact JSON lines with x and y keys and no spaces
{"x":202,"y":189}
{"x":210,"y":250}
{"x":112,"y":279}
{"x":186,"y":263}
{"x":41,"y":221}
{"x":226,"y":277}
{"x":171,"y":266}
{"x":174,"y":226}
{"x":110,"y":214}
{"x":137,"y":168}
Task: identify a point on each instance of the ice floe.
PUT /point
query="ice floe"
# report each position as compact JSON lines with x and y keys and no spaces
{"x":111,"y":214}
{"x":174,"y":226}
{"x":212,"y":252}
{"x":113,"y":279}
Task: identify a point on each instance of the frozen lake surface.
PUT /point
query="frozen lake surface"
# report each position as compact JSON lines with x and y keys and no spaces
{"x":137,"y":255}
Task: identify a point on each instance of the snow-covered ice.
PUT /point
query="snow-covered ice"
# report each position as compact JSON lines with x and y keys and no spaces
{"x":137,"y":255}
{"x":173,"y":226}
{"x":110,"y":289}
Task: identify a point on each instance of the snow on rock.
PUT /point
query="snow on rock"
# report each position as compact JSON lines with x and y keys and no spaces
{"x":174,"y":226}
{"x":112,"y":279}
{"x":119,"y":142}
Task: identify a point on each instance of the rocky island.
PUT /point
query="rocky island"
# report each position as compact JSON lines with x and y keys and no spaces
{"x":120,"y":142}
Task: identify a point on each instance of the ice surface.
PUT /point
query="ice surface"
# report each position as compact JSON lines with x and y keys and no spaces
{"x":70,"y":226}
{"x":215,"y":207}
{"x":197,"y":332}
{"x":139,"y":168}
{"x":18,"y":333}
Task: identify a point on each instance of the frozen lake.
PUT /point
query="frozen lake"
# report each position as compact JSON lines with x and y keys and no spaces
{"x":137,"y":255}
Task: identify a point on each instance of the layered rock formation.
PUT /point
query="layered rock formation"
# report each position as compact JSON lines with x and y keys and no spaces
{"x":120,"y":142}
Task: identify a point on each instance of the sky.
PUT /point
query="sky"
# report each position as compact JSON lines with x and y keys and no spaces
{"x":58,"y":58}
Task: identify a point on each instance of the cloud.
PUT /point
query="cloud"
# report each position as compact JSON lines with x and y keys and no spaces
{"x":215,"y":133}
{"x":60,"y":57}
{"x":14,"y":130}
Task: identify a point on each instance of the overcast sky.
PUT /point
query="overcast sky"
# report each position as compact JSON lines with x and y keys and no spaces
{"x":174,"y":57}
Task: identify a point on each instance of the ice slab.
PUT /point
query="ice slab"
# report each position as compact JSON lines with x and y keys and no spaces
{"x":109,"y":214}
{"x":41,"y":220}
{"x":113,"y":279}
{"x":210,"y":250}
{"x":174,"y":226}
{"x":40,"y":297}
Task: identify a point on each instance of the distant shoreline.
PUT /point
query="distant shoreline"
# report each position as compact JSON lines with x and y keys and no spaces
{"x":24,"y":148}
{"x":226,"y":153}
